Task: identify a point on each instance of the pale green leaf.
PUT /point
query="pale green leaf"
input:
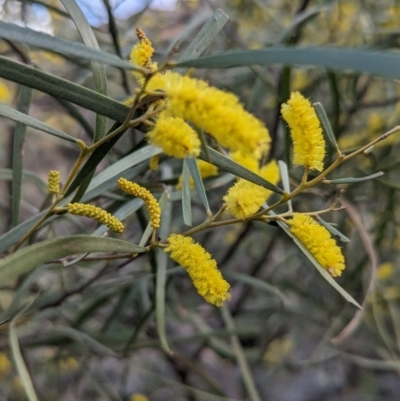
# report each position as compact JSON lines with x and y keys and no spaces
{"x":26,"y":259}
{"x":24,"y":102}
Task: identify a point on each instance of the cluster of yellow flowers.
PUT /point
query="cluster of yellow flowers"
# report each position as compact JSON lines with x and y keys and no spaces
{"x":217,"y":112}
{"x":319,"y":242}
{"x":306,"y":132}
{"x":53,"y":182}
{"x":150,"y":201}
{"x":192,"y":101}
{"x":201,"y":267}
{"x":181,"y":140}
{"x":245,"y":198}
{"x":97,"y":213}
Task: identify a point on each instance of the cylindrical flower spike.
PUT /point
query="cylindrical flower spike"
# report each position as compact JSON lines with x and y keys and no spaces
{"x":217,"y":112}
{"x":317,"y":239}
{"x":150,"y":201}
{"x":201,"y":267}
{"x":175,"y":137}
{"x":53,"y":182}
{"x":97,"y":213}
{"x":244,"y":198}
{"x":141,"y":54}
{"x":306,"y":132}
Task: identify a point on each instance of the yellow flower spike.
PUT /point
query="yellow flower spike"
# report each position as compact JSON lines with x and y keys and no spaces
{"x":175,"y":137}
{"x":143,"y":51}
{"x":97,"y":213}
{"x":205,"y":170}
{"x":201,"y":267}
{"x":154,"y":162}
{"x":317,"y":239}
{"x":150,"y":201}
{"x":53,"y":182}
{"x":141,"y":55}
{"x":306,"y":132}
{"x":217,"y":112}
{"x":244,"y":198}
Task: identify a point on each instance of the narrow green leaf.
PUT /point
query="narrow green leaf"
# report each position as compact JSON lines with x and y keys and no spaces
{"x":20,"y":363}
{"x":240,"y":357}
{"x":285,"y":179}
{"x":116,"y":169}
{"x":12,"y":236}
{"x":24,"y":102}
{"x":202,"y":40}
{"x":22,"y":293}
{"x":61,"y":88}
{"x":89,"y":342}
{"x":50,"y":7}
{"x":161,"y":278}
{"x":257,"y":283}
{"x":61,"y":46}
{"x":320,"y":269}
{"x":373,"y":62}
{"x":103,"y":185}
{"x":121,"y":214}
{"x":367,"y":363}
{"x":7,"y":174}
{"x":352,"y":180}
{"x":26,"y":259}
{"x":186,"y":198}
{"x":99,"y":71}
{"x":229,"y":165}
{"x":76,"y":115}
{"x":24,"y":119}
{"x":326,"y":125}
{"x":333,"y":230}
{"x":198,"y":181}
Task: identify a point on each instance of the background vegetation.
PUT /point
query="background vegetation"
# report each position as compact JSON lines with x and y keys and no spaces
{"x":98,"y":328}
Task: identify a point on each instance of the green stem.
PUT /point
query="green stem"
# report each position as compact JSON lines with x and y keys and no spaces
{"x":240,"y":357}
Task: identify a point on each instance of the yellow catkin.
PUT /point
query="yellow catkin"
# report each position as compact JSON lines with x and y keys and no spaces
{"x":244,"y":198}
{"x":141,"y":55}
{"x":174,"y":137}
{"x":154,"y":162}
{"x":97,"y":213}
{"x":201,"y":267}
{"x":205,"y":169}
{"x":53,"y":182}
{"x":306,"y":132}
{"x":317,"y":239}
{"x":150,"y":201}
{"x":217,"y":112}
